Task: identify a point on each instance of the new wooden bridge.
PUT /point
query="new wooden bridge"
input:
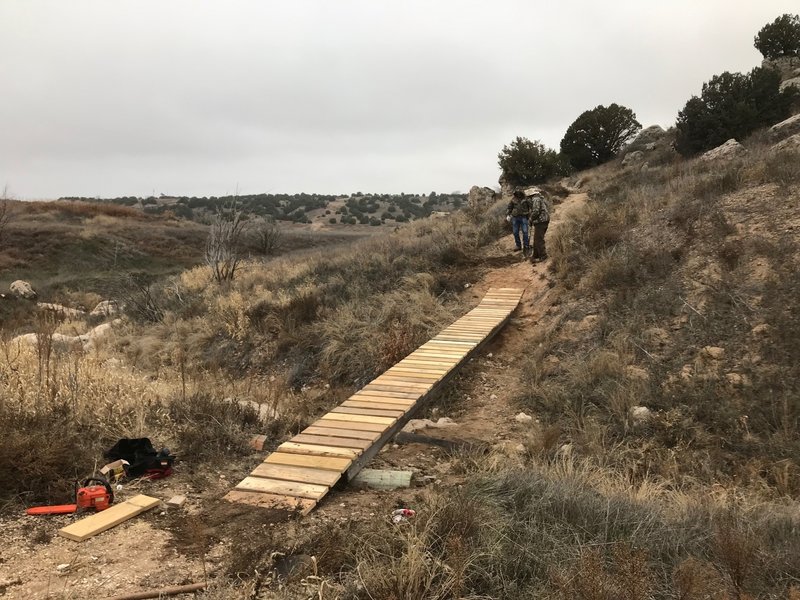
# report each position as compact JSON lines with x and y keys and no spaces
{"x":303,"y":470}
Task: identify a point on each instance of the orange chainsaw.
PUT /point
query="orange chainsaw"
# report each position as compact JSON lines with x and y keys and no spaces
{"x":94,"y":493}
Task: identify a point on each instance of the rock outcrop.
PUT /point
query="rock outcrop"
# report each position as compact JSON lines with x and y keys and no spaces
{"x":61,"y":310}
{"x":480,"y":198}
{"x":727,"y":151}
{"x":85,"y":342}
{"x":22,"y":289}
{"x":786,"y":128}
{"x":790,"y":143}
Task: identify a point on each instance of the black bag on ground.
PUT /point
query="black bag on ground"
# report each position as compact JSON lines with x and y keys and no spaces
{"x":142,"y":457}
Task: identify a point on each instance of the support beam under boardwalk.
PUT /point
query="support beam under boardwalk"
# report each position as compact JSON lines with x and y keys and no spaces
{"x":336,"y":447}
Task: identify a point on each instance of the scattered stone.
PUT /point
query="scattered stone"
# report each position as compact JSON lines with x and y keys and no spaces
{"x":493,"y":397}
{"x":588,"y":323}
{"x":520,"y":448}
{"x":22,"y":289}
{"x":62,"y":568}
{"x":728,"y":150}
{"x":713,"y":352}
{"x":489,"y":355}
{"x":760,"y":330}
{"x":734,"y":379}
{"x":176,"y":501}
{"x":640,"y":414}
{"x":523,"y":418}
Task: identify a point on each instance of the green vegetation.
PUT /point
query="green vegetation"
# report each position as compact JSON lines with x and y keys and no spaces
{"x":597,"y":135}
{"x":780,"y":38}
{"x":732,"y":105}
{"x":525,"y":162}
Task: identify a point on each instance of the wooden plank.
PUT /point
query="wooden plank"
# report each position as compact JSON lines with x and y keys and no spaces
{"x":425,"y":363}
{"x":407,"y":382}
{"x":315,"y":462}
{"x":396,"y":388}
{"x":387,"y":401}
{"x":371,"y":427}
{"x":377,"y":405}
{"x":282,"y":488}
{"x":358,"y":419}
{"x":386,"y":394}
{"x":298,"y":474}
{"x":290,"y":504}
{"x":327,"y":440}
{"x":111,"y":517}
{"x":314,"y":450}
{"x":415,"y":374}
{"x":374,"y":411}
{"x":436,"y":342}
{"x":364,"y":436}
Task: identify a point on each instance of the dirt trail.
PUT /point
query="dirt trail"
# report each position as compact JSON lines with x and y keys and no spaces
{"x":483,"y":404}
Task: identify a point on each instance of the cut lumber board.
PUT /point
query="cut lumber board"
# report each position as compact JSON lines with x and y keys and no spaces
{"x":400,"y":389}
{"x":282,"y":488}
{"x":298,"y":474}
{"x":375,"y":412}
{"x":315,"y":462}
{"x":377,"y":405}
{"x":111,"y":517}
{"x":372,"y":427}
{"x":368,"y":436}
{"x":303,"y":506}
{"x":314,"y":450}
{"x":358,"y":419}
{"x":398,"y":395}
{"x":327,"y":440}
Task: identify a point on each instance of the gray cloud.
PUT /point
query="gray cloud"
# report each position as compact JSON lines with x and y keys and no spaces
{"x":127,"y":97}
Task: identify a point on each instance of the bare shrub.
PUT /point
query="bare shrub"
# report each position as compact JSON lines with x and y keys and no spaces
{"x":268,"y":236}
{"x":223,"y":246}
{"x":6,"y":212}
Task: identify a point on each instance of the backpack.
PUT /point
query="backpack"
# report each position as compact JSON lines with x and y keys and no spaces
{"x":143,"y":459}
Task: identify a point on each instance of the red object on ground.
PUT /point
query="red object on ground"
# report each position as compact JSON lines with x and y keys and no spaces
{"x":60,"y":509}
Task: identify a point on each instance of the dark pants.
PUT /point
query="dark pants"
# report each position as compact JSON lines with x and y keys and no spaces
{"x":539,"y":249}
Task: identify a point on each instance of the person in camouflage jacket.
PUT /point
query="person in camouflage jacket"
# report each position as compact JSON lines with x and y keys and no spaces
{"x":519,"y":209}
{"x":540,"y":219}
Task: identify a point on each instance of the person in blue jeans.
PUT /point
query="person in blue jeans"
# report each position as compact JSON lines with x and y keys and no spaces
{"x":519,"y":210}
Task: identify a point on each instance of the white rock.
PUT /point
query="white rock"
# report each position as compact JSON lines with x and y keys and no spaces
{"x":22,"y":289}
{"x":523,"y":418}
{"x":790,"y":143}
{"x":726,"y":151}
{"x":785,"y":128}
{"x":640,"y":414}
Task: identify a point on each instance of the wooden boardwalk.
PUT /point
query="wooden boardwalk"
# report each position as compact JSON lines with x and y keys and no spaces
{"x":303,"y":470}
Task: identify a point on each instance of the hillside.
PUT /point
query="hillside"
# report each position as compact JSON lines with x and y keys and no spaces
{"x":653,"y":356}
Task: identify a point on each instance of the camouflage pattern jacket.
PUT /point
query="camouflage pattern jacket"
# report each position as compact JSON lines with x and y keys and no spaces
{"x":539,"y":211}
{"x":519,"y":207}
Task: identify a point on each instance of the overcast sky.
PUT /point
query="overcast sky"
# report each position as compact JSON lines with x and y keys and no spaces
{"x":110,"y":97}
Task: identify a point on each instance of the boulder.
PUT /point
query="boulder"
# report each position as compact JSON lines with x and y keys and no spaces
{"x":106,"y":308}
{"x":647,"y":138}
{"x":22,"y":289}
{"x":480,"y":198}
{"x":790,"y":143}
{"x":523,"y":418}
{"x":786,"y":128}
{"x":727,"y":151}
